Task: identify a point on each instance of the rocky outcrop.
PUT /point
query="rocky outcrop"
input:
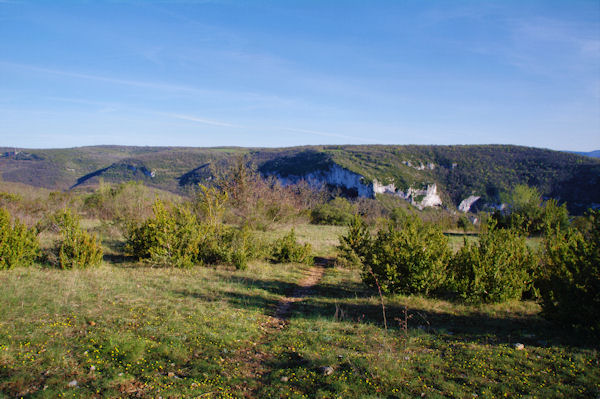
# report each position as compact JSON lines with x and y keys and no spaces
{"x":334,"y":176}
{"x":348,"y":180}
{"x":422,"y":198}
{"x":420,"y":166}
{"x":466,"y":204}
{"x":379,"y":188}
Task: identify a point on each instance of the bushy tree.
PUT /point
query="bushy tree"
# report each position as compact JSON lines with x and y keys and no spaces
{"x":171,"y":237}
{"x":409,"y":258}
{"x":527,"y":212}
{"x":525,"y":200}
{"x":554,"y":216}
{"x":354,"y":246}
{"x":287,"y":249}
{"x":175,"y":237}
{"x":338,"y":211}
{"x":569,"y":279}
{"x":496,"y":268}
{"x":18,"y":244}
{"x":76,"y":248}
{"x":211,"y":204}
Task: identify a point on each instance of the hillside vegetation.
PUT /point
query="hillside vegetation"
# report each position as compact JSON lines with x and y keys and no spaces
{"x":488,"y":171}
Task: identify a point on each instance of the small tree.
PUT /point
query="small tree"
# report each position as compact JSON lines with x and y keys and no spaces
{"x":354,"y":246}
{"x":171,"y":238}
{"x":554,"y":216}
{"x":76,"y":249}
{"x":569,"y":279}
{"x":338,"y":211}
{"x":211,"y":203}
{"x":494,"y":269}
{"x":287,"y":249}
{"x":18,"y":244}
{"x":410,"y":258}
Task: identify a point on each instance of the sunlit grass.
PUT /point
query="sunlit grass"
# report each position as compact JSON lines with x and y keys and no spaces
{"x":127,"y":330}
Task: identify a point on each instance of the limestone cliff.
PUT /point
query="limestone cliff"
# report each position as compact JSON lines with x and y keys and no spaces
{"x":348,"y":180}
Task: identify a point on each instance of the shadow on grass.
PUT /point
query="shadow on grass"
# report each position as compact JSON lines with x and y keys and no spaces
{"x":276,"y":287}
{"x":119,"y":259}
{"x":243,"y":301}
{"x":472,"y":326}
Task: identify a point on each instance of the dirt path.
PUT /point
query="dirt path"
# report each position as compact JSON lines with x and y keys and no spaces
{"x":302,"y":291}
{"x":255,"y":359}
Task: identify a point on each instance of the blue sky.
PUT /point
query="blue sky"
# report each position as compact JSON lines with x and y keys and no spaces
{"x":282,"y":73}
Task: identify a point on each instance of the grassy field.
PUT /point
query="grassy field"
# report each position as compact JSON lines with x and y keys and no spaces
{"x":128,"y":330}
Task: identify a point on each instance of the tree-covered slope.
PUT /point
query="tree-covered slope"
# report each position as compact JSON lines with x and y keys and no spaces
{"x":459,"y":171}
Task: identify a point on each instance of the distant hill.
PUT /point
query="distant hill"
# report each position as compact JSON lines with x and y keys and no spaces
{"x":593,"y":154}
{"x":425,"y":175}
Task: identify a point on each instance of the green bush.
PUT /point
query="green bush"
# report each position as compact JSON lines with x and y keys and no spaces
{"x":555,"y":216}
{"x":355,"y":245}
{"x":338,"y":211}
{"x":408,"y":258}
{"x":171,"y":238}
{"x":175,"y":237}
{"x":18,"y":244}
{"x":241,"y":247}
{"x":287,"y":249}
{"x":494,"y":269}
{"x":569,"y":279}
{"x":228,"y":245}
{"x":529,"y":214}
{"x":76,"y":249}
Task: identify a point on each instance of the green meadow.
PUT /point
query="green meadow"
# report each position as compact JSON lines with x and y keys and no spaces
{"x":128,"y":329}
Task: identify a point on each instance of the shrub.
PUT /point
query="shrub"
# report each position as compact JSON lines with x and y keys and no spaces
{"x":338,"y":211}
{"x":555,"y":216}
{"x":210,"y":204}
{"x":76,"y":249}
{"x":260,"y":202}
{"x":175,"y":237}
{"x":287,"y":249}
{"x":410,"y":258}
{"x":528,"y":213}
{"x":228,"y":245}
{"x":355,"y":245}
{"x":463,"y":223}
{"x":569,"y":280}
{"x":120,"y":203}
{"x":494,"y":269}
{"x":241,"y":247}
{"x":171,"y":238}
{"x":18,"y":244}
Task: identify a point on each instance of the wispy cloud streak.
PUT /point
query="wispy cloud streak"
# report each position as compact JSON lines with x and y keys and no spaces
{"x":202,"y":120}
{"x":100,"y":78}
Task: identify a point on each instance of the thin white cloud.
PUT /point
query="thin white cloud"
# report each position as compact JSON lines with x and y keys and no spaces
{"x":126,"y":82}
{"x":201,"y":120}
{"x":255,"y":98}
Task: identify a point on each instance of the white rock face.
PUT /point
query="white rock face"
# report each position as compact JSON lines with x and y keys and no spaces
{"x":338,"y":176}
{"x":465,"y":205}
{"x":335,"y":176}
{"x":379,"y":188}
{"x":420,"y":166}
{"x":430,"y":196}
